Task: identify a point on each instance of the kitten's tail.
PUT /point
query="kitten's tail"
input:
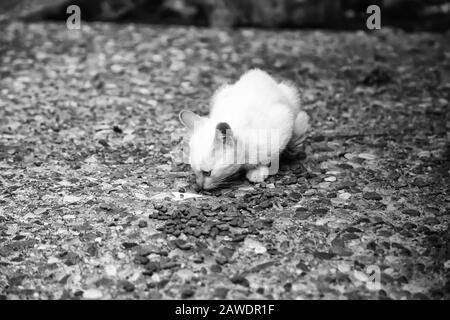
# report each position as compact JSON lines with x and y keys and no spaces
{"x":301,"y":123}
{"x":291,"y":94}
{"x":294,"y":148}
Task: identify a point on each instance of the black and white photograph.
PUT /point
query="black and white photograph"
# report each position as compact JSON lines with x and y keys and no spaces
{"x":240,"y":151}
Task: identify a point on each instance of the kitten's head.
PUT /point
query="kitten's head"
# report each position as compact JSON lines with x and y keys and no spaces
{"x":212,"y":150}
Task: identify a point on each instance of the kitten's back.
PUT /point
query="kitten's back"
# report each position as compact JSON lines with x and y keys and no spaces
{"x":256,"y":98}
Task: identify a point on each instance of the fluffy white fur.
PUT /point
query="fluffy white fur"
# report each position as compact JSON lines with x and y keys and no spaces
{"x":255,"y":102}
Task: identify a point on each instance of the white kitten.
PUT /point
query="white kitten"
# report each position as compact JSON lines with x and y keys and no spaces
{"x":250,"y":123}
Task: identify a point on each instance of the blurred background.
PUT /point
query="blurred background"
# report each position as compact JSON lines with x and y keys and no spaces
{"x":410,"y":15}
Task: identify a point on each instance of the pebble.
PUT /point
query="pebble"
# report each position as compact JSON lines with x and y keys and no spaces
{"x":323,"y":255}
{"x":187,"y":293}
{"x":128,"y":286}
{"x":290,"y":180}
{"x":129,"y":245}
{"x":302,"y":266}
{"x":420,"y":182}
{"x":152,"y":267}
{"x":72,"y":259}
{"x":198,"y":259}
{"x":111,"y":270}
{"x":92,"y":294}
{"x":320,"y":211}
{"x":323,"y":185}
{"x":240,"y":280}
{"x":216,"y":268}
{"x":310,"y":192}
{"x":349,"y":156}
{"x":221,"y":293}
{"x":185,"y":274}
{"x":411,"y":212}
{"x":330,"y":179}
{"x":253,"y":245}
{"x":295,"y":196}
{"x":141,"y":260}
{"x":181,"y":244}
{"x":344,"y":196}
{"x":142,"y":224}
{"x":227,"y":252}
{"x":372,"y":196}
{"x":238,"y":238}
{"x":301,"y":213}
{"x":221,"y":260}
{"x":384,"y":233}
{"x":431,"y":221}
{"x":367,"y":156}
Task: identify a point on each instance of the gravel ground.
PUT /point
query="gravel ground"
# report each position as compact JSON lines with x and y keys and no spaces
{"x":88,"y":165}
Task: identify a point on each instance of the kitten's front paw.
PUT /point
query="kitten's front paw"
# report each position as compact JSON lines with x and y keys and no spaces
{"x":259,"y":174}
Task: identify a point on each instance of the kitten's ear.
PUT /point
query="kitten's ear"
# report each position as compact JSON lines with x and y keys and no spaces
{"x":189,"y":119}
{"x":224,"y":133}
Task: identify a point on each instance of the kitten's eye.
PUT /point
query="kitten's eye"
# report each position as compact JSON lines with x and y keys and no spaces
{"x":206,"y":173}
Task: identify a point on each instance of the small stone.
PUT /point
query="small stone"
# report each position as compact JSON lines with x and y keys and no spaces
{"x":72,"y":259}
{"x":367,"y":156}
{"x":152,"y":267}
{"x":141,"y":260}
{"x":319,"y":211}
{"x":221,"y":260}
{"x":411,"y":212}
{"x":128,"y":286}
{"x":145,"y":250}
{"x":420,"y":182}
{"x":330,"y":179}
{"x":214,"y":232}
{"x":409,"y":226}
{"x":129,"y":245}
{"x":240,"y":280}
{"x":239,"y":238}
{"x":331,"y":195}
{"x":142,"y":224}
{"x":323,"y":255}
{"x":290,"y":180}
{"x":352,"y":229}
{"x":117,"y":129}
{"x":431,"y":221}
{"x":323,"y":185}
{"x":287,"y":287}
{"x":187,"y":293}
{"x":302,"y":267}
{"x":419,"y":296}
{"x":371,"y":246}
{"x":384,"y":233}
{"x":181,"y":244}
{"x":221,"y":293}
{"x":372,"y":196}
{"x":216,"y":268}
{"x":344,"y":196}
{"x":198,"y":259}
{"x":339,"y":249}
{"x":110,"y":270}
{"x":301,"y":213}
{"x":227,"y":252}
{"x":350,"y":236}
{"x":92,"y":294}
